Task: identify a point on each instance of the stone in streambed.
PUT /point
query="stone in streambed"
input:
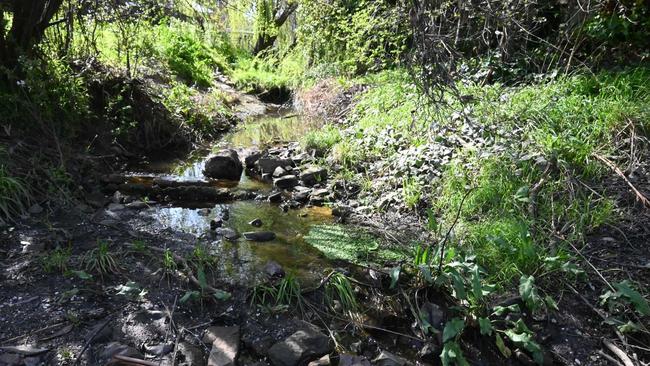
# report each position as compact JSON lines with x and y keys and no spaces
{"x":268,"y":165}
{"x":313,"y":175}
{"x":286,"y":182}
{"x":299,"y":348}
{"x":256,"y":222}
{"x":225,"y":345}
{"x":350,"y":360}
{"x":275,"y":197}
{"x":224,"y":165}
{"x":260,"y":236}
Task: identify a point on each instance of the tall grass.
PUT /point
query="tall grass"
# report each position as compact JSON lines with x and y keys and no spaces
{"x":14,"y":195}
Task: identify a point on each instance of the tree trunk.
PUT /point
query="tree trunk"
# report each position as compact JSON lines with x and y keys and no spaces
{"x":265,"y":41}
{"x":30,"y":20}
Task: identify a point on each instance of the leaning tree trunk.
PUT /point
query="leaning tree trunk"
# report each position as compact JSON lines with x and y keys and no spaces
{"x":266,"y":40}
{"x":30,"y":19}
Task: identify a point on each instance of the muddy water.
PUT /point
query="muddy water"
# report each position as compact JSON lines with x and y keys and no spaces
{"x":243,"y":261}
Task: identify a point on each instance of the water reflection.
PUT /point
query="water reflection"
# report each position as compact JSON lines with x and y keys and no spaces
{"x":244,"y":260}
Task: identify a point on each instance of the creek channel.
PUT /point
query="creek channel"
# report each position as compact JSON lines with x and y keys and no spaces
{"x":241,"y":261}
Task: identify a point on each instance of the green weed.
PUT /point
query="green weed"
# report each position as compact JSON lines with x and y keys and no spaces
{"x":411,"y":192}
{"x":14,"y":195}
{"x":101,"y":260}
{"x":339,"y":289}
{"x":57,"y":260}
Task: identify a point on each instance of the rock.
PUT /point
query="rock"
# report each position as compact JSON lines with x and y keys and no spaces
{"x":300,"y":196}
{"x":35,"y":209}
{"x":388,"y":359}
{"x":193,"y":354}
{"x":300,"y":347}
{"x":268,"y":165}
{"x":115,"y":348}
{"x":216,"y":223}
{"x":259,"y":344}
{"x":323,"y":361}
{"x":341,"y":211}
{"x":103,"y":333}
{"x":10,"y":359}
{"x":275,"y":197}
{"x":319,"y":195}
{"x":115,"y":207}
{"x":25,"y":350}
{"x":256,"y":222}
{"x":278,"y":172}
{"x":96,"y":199}
{"x":286,"y":182}
{"x":136,"y":205}
{"x":260,"y":236}
{"x":350,"y":360}
{"x":313,"y":175}
{"x":228,"y":233}
{"x":224,"y":165}
{"x":159,"y":349}
{"x":273,"y":269}
{"x":252,"y":159}
{"x":433,"y":314}
{"x":118,"y":197}
{"x":225,"y":345}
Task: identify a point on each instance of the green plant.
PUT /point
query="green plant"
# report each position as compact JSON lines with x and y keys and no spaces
{"x":139,"y":246}
{"x":101,"y":260}
{"x":14,"y":195}
{"x":57,"y":260}
{"x":322,"y":140}
{"x":339,"y":289}
{"x":411,"y":192}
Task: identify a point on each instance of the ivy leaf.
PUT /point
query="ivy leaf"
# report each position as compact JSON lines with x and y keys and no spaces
{"x":485,"y":325}
{"x":523,"y":337}
{"x":500,"y":310}
{"x":426,"y":273}
{"x":83,"y":275}
{"x":394,"y":276}
{"x":639,"y":302}
{"x":551,"y":303}
{"x":452,"y":355}
{"x":188,"y":295}
{"x":222,"y":295}
{"x":528,"y":292}
{"x":453,"y":328}
{"x":459,"y":285}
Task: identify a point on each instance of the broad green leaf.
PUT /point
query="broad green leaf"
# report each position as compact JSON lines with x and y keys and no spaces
{"x":639,"y":302}
{"x":459,"y":285}
{"x":83,"y":275}
{"x":523,"y":337}
{"x":432,"y":222}
{"x":203,"y":282}
{"x":551,"y":303}
{"x":222,"y":295}
{"x":629,"y":327}
{"x":452,"y":328}
{"x":528,"y":292}
{"x":188,"y":295}
{"x":477,"y":288}
{"x":505,"y":351}
{"x":500,"y":310}
{"x":394,"y":276}
{"x":426,"y":273}
{"x":485,"y":325}
{"x":452,"y":355}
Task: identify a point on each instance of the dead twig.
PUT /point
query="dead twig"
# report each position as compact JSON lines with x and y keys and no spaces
{"x":90,"y":339}
{"x":133,"y":361}
{"x":627,"y":361}
{"x":444,"y":241}
{"x":644,"y":200}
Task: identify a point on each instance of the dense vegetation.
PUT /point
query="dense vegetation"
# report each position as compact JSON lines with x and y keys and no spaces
{"x":510,"y":131}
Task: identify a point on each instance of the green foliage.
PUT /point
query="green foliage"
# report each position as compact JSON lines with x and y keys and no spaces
{"x":353,"y":37}
{"x":339,"y":289}
{"x":284,"y":294}
{"x":411,"y":192}
{"x":57,"y":260}
{"x":168,"y":262}
{"x":14,"y":195}
{"x":625,"y":293}
{"x":322,"y":140}
{"x":101,"y":260}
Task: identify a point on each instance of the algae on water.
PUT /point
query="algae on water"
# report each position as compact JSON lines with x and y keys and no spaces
{"x":350,"y":244}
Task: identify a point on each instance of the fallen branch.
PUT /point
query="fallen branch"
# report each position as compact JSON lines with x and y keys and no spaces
{"x":644,"y":200}
{"x":627,"y":361}
{"x":133,"y":361}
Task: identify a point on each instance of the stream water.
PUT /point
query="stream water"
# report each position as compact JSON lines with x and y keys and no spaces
{"x":242,"y":260}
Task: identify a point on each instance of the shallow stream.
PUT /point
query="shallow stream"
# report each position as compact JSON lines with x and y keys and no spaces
{"x":244,"y":260}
